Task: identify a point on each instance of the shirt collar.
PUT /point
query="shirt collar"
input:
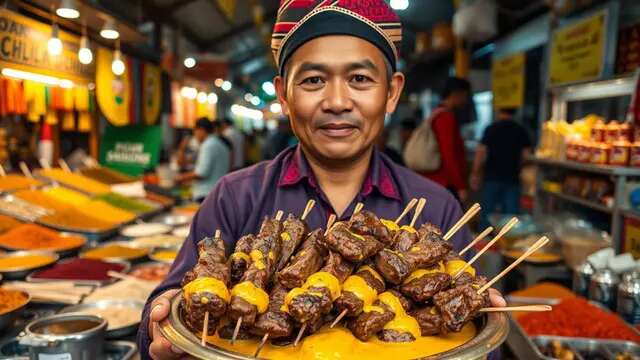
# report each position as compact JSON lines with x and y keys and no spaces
{"x":296,"y":168}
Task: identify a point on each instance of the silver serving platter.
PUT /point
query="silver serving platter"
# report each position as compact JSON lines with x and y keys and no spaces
{"x":104,"y":304}
{"x":494,"y":328}
{"x":6,"y":319}
{"x":584,"y":348}
{"x":126,"y":269}
{"x":22,"y":272}
{"x":133,"y":260}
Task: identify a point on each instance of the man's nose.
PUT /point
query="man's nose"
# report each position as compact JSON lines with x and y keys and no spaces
{"x":337,"y":98}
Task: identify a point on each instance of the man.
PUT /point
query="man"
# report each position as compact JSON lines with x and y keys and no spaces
{"x":212,"y":162}
{"x":336,"y":82}
{"x":237,"y":140}
{"x":504,"y":145}
{"x":446,"y":127}
{"x":279,"y":139}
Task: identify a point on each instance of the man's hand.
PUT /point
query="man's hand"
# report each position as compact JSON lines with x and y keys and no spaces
{"x":161,"y":348}
{"x":496,"y":298}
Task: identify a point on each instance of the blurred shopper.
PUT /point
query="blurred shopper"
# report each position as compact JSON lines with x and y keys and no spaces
{"x":279,"y":139}
{"x":455,"y":97}
{"x":389,"y":151}
{"x":237,"y":139}
{"x":212,"y":163}
{"x":407,"y":127}
{"x":505,"y":143}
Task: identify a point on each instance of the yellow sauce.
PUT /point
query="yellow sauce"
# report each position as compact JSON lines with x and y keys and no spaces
{"x":370,"y":308}
{"x":372,"y":271}
{"x":257,"y":259}
{"x":241,"y":255}
{"x":252,"y":294}
{"x":408,"y":229}
{"x":359,"y":287}
{"x":324,"y":279}
{"x":207,"y":284}
{"x":453,"y":266}
{"x":285,"y":236}
{"x":404,"y":324}
{"x":393,"y":302}
{"x":390,"y":224}
{"x":338,"y":344}
{"x":290,"y":295}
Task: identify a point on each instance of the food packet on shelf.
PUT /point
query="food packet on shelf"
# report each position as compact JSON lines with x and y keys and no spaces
{"x":600,"y":259}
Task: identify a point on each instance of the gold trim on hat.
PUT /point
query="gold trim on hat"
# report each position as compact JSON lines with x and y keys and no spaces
{"x":346,"y":12}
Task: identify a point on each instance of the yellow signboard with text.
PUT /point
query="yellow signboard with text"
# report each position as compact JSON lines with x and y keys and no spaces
{"x":23,"y":46}
{"x":507,"y":81}
{"x":577,"y":50}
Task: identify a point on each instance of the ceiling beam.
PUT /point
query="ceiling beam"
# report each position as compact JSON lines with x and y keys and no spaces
{"x":162,"y":16}
{"x":212,"y":44}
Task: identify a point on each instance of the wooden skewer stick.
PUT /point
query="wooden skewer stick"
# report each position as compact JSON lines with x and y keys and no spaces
{"x":421,"y":203}
{"x":406,"y":210}
{"x":261,"y":345}
{"x":482,"y":235}
{"x":236,"y":330}
{"x":205,"y":329}
{"x":337,"y":320}
{"x":505,"y":229}
{"x":295,"y":343}
{"x":332,"y":219}
{"x":279,"y":215}
{"x":2,"y":172}
{"x":357,"y":209}
{"x":121,"y":276}
{"x":473,"y":210}
{"x":531,"y":308}
{"x":63,"y":164}
{"x":307,"y":209}
{"x":25,"y":170}
{"x":45,"y":164}
{"x":535,"y":247}
{"x":217,"y":234}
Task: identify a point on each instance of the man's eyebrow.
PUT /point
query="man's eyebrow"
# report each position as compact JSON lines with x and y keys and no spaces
{"x":363,"y":64}
{"x":311,"y":66}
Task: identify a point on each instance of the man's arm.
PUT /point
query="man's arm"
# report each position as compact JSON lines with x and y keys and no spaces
{"x":478,"y":162}
{"x":218,"y":211}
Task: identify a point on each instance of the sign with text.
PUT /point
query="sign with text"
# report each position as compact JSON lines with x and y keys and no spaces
{"x":131,"y":149}
{"x":631,"y":237}
{"x":577,"y":50}
{"x":507,"y":81}
{"x":23,"y":45}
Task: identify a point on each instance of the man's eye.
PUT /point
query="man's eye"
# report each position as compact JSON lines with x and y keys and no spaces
{"x":360,"y":78}
{"x":314,"y":80}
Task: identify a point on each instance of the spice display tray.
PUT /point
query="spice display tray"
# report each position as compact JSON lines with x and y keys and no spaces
{"x":588,"y":349}
{"x":127,"y":267}
{"x":113,"y":350}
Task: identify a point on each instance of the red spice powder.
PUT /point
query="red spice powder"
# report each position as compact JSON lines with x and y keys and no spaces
{"x":575,"y":317}
{"x":80,"y":269}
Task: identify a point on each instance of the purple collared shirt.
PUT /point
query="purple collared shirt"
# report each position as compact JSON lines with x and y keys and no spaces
{"x":240,"y":201}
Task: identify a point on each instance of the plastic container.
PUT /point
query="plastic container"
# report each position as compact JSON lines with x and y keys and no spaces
{"x":600,"y":153}
{"x":620,"y":153}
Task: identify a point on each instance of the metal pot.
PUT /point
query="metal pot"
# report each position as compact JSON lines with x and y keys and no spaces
{"x":70,"y":336}
{"x":493,"y":329}
{"x":603,"y":288}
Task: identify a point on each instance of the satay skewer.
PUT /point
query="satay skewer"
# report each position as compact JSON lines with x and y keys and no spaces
{"x":535,"y":247}
{"x":421,"y":203}
{"x":44,"y":164}
{"x":302,"y":329}
{"x":473,"y":210}
{"x":337,"y":320}
{"x":332,"y":219}
{"x":505,"y":229}
{"x":236,"y":330}
{"x":25,"y":170}
{"x":406,"y":210}
{"x":261,"y":345}
{"x":63,"y":164}
{"x":482,"y":235}
{"x":2,"y":172}
{"x":357,"y":209}
{"x":530,"y":308}
{"x":307,"y":209}
{"x":205,"y":329}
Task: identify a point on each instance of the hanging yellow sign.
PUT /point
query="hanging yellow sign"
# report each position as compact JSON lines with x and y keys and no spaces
{"x":151,"y":93}
{"x":507,"y":81}
{"x":577,"y":50}
{"x":23,"y":46}
{"x":112,"y":92}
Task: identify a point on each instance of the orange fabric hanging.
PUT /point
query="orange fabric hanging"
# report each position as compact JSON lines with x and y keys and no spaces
{"x":68,"y":121}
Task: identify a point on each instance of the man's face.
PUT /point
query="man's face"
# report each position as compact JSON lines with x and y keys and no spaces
{"x":336,"y":95}
{"x":460,"y":98}
{"x":200,"y":134}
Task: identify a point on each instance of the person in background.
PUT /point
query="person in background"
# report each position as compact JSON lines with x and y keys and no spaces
{"x":389,"y":151}
{"x":505,"y":143}
{"x":187,"y":150}
{"x":455,"y":96}
{"x":279,"y":139}
{"x":218,"y":129}
{"x":237,"y":139}
{"x":212,"y":163}
{"x":407,"y":127}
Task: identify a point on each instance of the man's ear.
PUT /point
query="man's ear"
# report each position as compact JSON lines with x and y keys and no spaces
{"x":281,"y":93}
{"x":395,"y":90}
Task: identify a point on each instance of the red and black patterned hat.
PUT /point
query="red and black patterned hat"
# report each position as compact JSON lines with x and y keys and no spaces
{"x":300,"y":21}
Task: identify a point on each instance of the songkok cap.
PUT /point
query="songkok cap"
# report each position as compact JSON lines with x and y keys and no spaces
{"x":300,"y":21}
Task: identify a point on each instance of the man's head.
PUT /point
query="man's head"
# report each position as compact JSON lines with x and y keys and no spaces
{"x":505,"y":113}
{"x":202,"y":129}
{"x":338,"y":78}
{"x":456,"y":92}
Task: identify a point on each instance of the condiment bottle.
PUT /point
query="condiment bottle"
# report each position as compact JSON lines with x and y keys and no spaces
{"x":581,"y":278}
{"x":620,"y":153}
{"x":628,"y":303}
{"x":600,"y":153}
{"x":572,"y":150}
{"x":624,"y":132}
{"x":598,"y":131}
{"x":603,"y":288}
{"x":584,"y":152}
{"x":613,"y":130}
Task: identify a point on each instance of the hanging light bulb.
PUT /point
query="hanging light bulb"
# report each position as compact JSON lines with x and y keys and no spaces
{"x":202,"y":97}
{"x":84,"y":54}
{"x":212,"y":98}
{"x":117,"y":66}
{"x":189,"y":62}
{"x":54,"y":45}
{"x":109,"y":30}
{"x":68,"y":9}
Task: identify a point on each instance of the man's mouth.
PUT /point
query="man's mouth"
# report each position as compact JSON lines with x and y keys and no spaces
{"x":338,"y":129}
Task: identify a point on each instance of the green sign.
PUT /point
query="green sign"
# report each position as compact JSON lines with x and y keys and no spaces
{"x":131,"y":149}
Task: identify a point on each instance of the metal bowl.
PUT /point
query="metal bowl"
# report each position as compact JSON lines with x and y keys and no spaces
{"x":6,"y":319}
{"x":144,"y":229}
{"x":22,"y":272}
{"x":62,"y":252}
{"x":105,"y":304}
{"x":493,"y":331}
{"x":176,"y":219}
{"x":132,"y":261}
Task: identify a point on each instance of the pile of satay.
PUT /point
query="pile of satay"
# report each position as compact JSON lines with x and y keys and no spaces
{"x":381,"y":279}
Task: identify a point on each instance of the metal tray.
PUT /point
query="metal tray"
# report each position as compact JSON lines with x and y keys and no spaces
{"x":133,"y":261}
{"x":7,"y":318}
{"x":126,"y":269}
{"x":114,"y":350}
{"x":63,"y":252}
{"x":103,"y":304}
{"x":588,"y":349}
{"x":22,"y":272}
